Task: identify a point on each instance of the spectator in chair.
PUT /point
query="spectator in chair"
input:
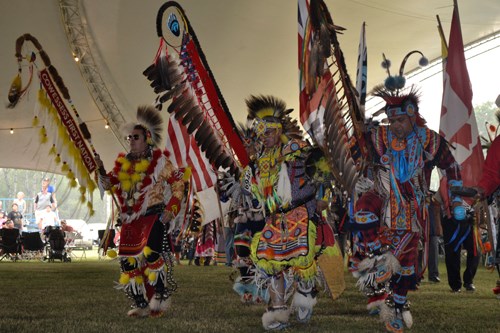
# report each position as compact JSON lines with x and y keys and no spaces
{"x":65,"y":227}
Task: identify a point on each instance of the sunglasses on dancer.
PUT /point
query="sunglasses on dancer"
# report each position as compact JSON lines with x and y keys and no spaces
{"x":134,"y":137}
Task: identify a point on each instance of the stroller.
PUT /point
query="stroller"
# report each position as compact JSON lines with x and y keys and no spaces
{"x":55,"y":245}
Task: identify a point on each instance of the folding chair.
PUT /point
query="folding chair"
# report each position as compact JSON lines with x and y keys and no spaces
{"x":72,"y":245}
{"x":69,"y":237}
{"x":10,"y":244}
{"x":33,"y":245}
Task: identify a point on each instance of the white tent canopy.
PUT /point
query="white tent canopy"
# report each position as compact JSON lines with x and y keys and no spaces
{"x":251,"y":46}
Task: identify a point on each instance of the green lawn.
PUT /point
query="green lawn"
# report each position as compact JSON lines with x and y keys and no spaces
{"x":79,"y":297}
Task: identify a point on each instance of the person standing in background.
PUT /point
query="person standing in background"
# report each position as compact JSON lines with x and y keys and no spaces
{"x":436,"y":231}
{"x":21,"y":203}
{"x":43,"y":199}
{"x":52,"y":190}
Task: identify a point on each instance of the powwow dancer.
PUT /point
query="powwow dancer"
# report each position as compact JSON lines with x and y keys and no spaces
{"x":139,"y":180}
{"x":248,"y":219}
{"x":181,"y":73}
{"x":489,"y":187}
{"x":392,"y":217}
{"x":284,"y":252}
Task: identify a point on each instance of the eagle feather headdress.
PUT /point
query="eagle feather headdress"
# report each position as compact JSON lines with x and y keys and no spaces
{"x":330,"y":108}
{"x":338,"y":122}
{"x":180,"y":74}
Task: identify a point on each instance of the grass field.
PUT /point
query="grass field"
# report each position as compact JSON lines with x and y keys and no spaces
{"x":79,"y":297}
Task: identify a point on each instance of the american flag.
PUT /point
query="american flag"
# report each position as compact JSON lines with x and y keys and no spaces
{"x":458,"y":122}
{"x":185,"y":152}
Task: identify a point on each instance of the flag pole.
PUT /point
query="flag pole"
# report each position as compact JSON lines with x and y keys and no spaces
{"x":441,"y":33}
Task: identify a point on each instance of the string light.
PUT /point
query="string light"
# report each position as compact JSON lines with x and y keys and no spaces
{"x":78,"y":55}
{"x":13,"y":129}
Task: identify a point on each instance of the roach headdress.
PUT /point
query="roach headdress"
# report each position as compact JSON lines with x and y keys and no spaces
{"x":271,"y":112}
{"x":148,"y":117}
{"x":406,"y":102}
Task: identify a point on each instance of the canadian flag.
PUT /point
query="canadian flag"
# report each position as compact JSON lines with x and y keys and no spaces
{"x":458,"y":122}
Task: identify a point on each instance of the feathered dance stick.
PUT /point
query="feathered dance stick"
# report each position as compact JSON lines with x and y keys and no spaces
{"x":68,"y":139}
{"x":184,"y":77}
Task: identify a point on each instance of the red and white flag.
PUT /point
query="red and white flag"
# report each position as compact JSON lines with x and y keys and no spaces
{"x":458,"y":122}
{"x":185,"y":152}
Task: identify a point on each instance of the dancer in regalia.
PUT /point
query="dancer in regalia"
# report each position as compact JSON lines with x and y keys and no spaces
{"x":149,"y":190}
{"x":284,"y":252}
{"x":391,"y":218}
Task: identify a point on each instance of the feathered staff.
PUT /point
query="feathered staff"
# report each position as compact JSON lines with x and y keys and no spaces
{"x":184,"y":77}
{"x":68,"y":137}
{"x":328,"y":95}
{"x":330,"y":112}
{"x":483,"y":214}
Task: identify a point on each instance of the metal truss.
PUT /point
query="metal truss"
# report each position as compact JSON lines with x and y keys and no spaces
{"x":78,"y":38}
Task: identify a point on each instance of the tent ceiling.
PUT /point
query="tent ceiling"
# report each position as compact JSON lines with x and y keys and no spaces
{"x":251,"y":47}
